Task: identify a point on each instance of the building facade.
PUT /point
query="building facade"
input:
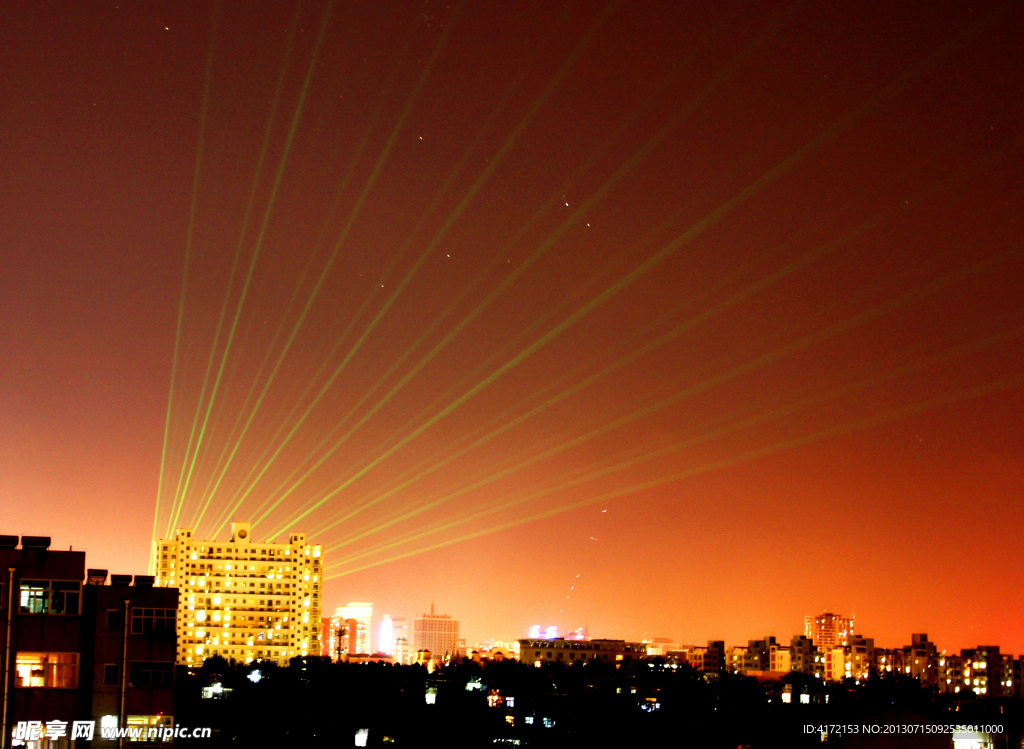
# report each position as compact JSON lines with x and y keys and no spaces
{"x":829,"y":630}
{"x":78,"y":654}
{"x":402,"y":639}
{"x":394,"y":638}
{"x":242,"y":600}
{"x":355,"y":621}
{"x":436,"y":633}
{"x":535,"y":652}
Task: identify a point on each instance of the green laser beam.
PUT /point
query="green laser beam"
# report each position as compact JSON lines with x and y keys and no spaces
{"x":251,"y":412}
{"x":382,"y":157}
{"x":259,"y":242}
{"x":506,"y":420}
{"x":524,"y":229}
{"x":575,"y":217}
{"x":666,"y":129}
{"x":452,"y":217}
{"x":684,"y":238}
{"x":858,"y":231}
{"x":189,"y":242}
{"x":183,"y":480}
{"x":800,"y":344}
{"x":911,"y":74}
{"x":874,"y":420}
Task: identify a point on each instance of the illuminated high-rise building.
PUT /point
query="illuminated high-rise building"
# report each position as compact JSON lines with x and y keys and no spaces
{"x":326,"y":640}
{"x":403,"y":651}
{"x":387,"y":635}
{"x":343,"y":634}
{"x":828,"y":631}
{"x":355,"y":642}
{"x":438,"y":633}
{"x":242,"y":600}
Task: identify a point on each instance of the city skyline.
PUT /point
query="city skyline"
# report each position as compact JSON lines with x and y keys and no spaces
{"x":828,"y":634}
{"x":832,"y":624}
{"x":660,"y":320}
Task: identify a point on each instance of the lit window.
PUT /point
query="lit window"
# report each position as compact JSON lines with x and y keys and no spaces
{"x":50,"y":597}
{"x":50,"y":670}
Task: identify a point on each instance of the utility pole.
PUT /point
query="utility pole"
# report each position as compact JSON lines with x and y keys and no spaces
{"x":124,"y":674}
{"x":5,"y":736}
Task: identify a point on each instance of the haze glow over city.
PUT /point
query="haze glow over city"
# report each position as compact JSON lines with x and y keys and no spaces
{"x":675,"y":320}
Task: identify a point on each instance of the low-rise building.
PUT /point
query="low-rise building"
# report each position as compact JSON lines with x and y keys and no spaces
{"x":77,"y":649}
{"x":559,"y":650}
{"x":860,"y":659}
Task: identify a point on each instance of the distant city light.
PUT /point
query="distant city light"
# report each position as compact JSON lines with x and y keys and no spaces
{"x":387,"y":636}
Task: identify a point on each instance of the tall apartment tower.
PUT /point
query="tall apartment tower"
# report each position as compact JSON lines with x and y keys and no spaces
{"x":401,"y":641}
{"x":438,"y":633}
{"x":387,"y":635}
{"x":242,"y":600}
{"x":362,"y":613}
{"x":828,"y":631}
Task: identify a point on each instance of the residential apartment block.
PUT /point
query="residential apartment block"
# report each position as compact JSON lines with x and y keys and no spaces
{"x":243,"y":600}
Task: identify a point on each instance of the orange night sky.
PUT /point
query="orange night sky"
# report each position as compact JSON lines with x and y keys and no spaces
{"x":667,"y":319}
